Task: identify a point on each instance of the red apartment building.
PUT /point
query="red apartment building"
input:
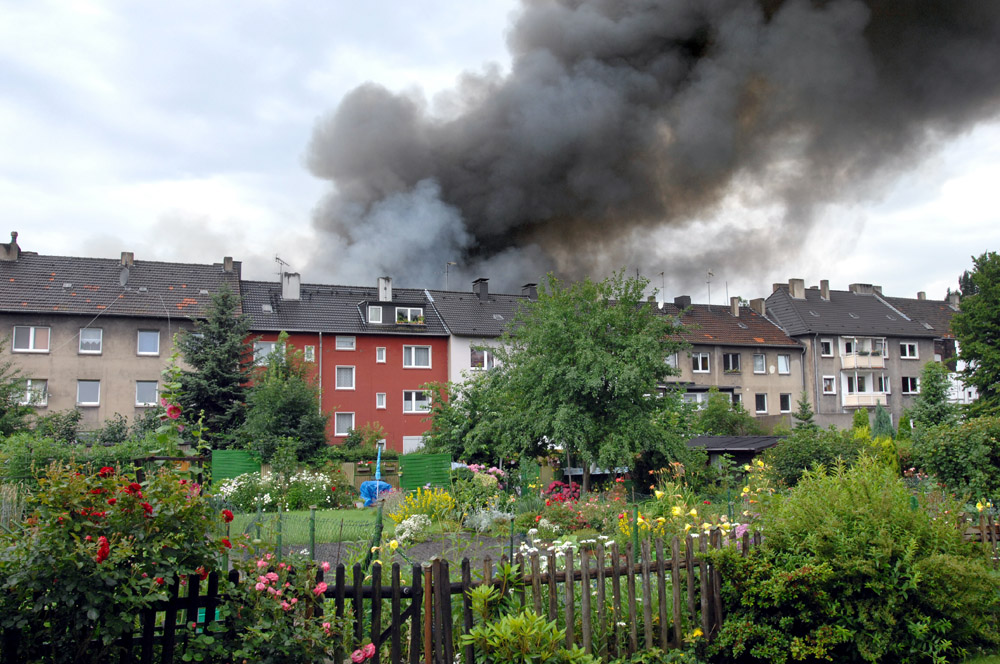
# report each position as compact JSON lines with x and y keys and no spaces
{"x":374,"y":349}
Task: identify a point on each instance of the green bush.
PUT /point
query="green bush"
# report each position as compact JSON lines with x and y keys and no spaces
{"x":851,"y":569}
{"x":247,"y":492}
{"x":26,"y":455}
{"x":966,"y":457}
{"x":523,"y":638}
{"x":805,"y":448}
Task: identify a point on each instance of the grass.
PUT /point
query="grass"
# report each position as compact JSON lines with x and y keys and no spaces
{"x":984,"y":659}
{"x":343,"y":525}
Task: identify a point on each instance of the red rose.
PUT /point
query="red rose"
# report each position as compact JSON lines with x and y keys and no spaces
{"x":226,"y":543}
{"x":112,"y":501}
{"x":98,"y":492}
{"x":333,"y":488}
{"x":103,"y":549}
{"x":148,"y":508}
{"x":227,"y":516}
{"x":201,"y":572}
{"x":159,"y":581}
{"x":106,"y":471}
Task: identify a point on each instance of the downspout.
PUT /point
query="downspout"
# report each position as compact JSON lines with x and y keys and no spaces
{"x":321,"y":373}
{"x":817,"y":381}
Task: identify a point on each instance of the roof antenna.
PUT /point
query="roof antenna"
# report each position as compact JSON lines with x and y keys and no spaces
{"x":709,"y":282}
{"x":123,"y":277}
{"x":281,"y":266}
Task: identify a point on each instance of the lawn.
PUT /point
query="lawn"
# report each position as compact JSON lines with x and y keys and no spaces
{"x":984,"y":659}
{"x":343,"y":525}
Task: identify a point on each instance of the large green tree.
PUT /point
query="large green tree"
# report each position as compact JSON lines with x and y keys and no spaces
{"x":722,"y":417}
{"x":977,"y":328}
{"x":581,"y":366}
{"x":15,"y":398}
{"x":220,"y":358}
{"x":931,"y":407}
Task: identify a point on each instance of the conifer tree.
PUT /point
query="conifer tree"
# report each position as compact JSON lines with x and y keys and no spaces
{"x":883,"y":423}
{"x":804,"y":415}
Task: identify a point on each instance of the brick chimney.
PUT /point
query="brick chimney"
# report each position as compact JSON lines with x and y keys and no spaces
{"x":227,"y":264}
{"x":682,"y":301}
{"x":757,"y":305}
{"x":10,"y":252}
{"x":954,"y":299}
{"x":128,"y":259}
{"x":824,"y":289}
{"x":385,"y":289}
{"x":921,"y":295}
{"x":291,"y":286}
{"x":863,"y":289}
{"x":797,"y":288}
{"x":734,"y":306}
{"x":481,"y":287}
{"x":530,"y":291}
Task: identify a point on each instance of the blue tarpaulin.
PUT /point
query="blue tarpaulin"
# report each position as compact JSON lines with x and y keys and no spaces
{"x":371,"y":489}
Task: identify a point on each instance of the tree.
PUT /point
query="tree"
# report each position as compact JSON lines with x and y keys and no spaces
{"x":883,"y":423}
{"x":722,"y":417}
{"x":931,"y":407}
{"x":15,"y":401}
{"x":861,"y":419}
{"x":220,"y":359}
{"x":581,"y":367}
{"x":977,"y":328}
{"x":804,"y":415}
{"x":283,"y":405}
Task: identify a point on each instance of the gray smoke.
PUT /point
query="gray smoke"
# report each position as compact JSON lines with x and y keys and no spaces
{"x":624,"y":124}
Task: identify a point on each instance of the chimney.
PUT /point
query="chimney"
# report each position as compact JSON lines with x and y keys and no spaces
{"x":877,"y":289}
{"x":10,"y":252}
{"x":862,"y":289}
{"x":227,"y":264}
{"x":128,"y":259}
{"x":481,"y":287}
{"x":682,"y":301}
{"x":530,"y":291}
{"x":290,"y":285}
{"x":797,"y":288}
{"x":824,"y":289}
{"x":921,"y":295}
{"x":734,"y":306}
{"x":777,"y":287}
{"x":757,"y":306}
{"x":385,"y":289}
{"x":954,"y":299}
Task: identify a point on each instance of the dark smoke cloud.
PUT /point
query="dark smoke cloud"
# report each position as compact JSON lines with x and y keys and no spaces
{"x":620,"y":120}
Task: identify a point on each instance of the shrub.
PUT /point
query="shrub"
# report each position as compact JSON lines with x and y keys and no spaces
{"x":806,"y":448}
{"x":966,"y":457}
{"x":523,"y":638}
{"x":435,"y":503}
{"x":413,"y":529}
{"x":325,"y":489}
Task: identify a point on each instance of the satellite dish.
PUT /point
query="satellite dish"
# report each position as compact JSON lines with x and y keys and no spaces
{"x":123,"y":277}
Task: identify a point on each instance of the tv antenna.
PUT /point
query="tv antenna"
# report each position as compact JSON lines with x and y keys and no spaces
{"x":281,"y":265}
{"x":709,"y":283}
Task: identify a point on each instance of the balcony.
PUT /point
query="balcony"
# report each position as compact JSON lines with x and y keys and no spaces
{"x":868,"y":400}
{"x":861,"y":361}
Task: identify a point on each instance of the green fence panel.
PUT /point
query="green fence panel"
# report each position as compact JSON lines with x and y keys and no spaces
{"x":417,"y":470}
{"x":227,"y":464}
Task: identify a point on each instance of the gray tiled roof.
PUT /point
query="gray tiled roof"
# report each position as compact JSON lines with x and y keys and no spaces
{"x":92,"y":286}
{"x":467,"y":315}
{"x":337,"y":309}
{"x":844,"y":313}
{"x":935,"y":313}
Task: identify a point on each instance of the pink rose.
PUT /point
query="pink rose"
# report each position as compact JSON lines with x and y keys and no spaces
{"x":261,"y":563}
{"x":260,"y":586}
{"x":325,"y":566}
{"x":286,"y":606}
{"x":320,"y":588}
{"x":357,"y":657}
{"x":369,"y":650}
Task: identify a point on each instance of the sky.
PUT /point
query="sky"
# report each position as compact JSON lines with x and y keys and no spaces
{"x":179,"y":131}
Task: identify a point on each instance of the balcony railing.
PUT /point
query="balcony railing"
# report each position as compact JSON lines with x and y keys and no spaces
{"x":859,"y":361}
{"x":868,"y":400}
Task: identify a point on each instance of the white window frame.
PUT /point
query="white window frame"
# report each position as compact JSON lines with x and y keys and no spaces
{"x":336,"y":377}
{"x":380,"y":401}
{"x":707,"y":364}
{"x":763,"y":363}
{"x":906,"y":384}
{"x":146,"y":353}
{"x":410,"y":402}
{"x":156,"y":393}
{"x":79,"y":384}
{"x":409,"y":318}
{"x":380,"y":354}
{"x":309,"y":353}
{"x":850,"y":346}
{"x":737,"y":399}
{"x":788,"y":364}
{"x":488,"y":359}
{"x":739,"y":363}
{"x":904,"y":350}
{"x":410,"y":356}
{"x":100,"y":341}
{"x":375,"y":314}
{"x":672,"y":361}
{"x":32,"y":329}
{"x":337,"y":431}
{"x":259,"y":354}
{"x":780,"y":397}
{"x":829,"y":343}
{"x":756,"y":408}
{"x":31,"y":390}
{"x":346,"y":343}
{"x":833,"y":383}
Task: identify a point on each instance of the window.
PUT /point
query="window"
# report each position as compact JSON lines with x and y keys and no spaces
{"x":342,"y":423}
{"x":882,"y":383}
{"x":380,"y":400}
{"x":380,"y":354}
{"x":759,"y":363}
{"x":784,"y":364}
{"x":731,"y":362}
{"x":671,"y":361}
{"x":149,"y":342}
{"x":850,"y":346}
{"x":345,"y":378}
{"x":262,"y":350}
{"x":700,"y":399}
{"x":785,"y":403}
{"x":851,"y":387}
{"x":829,"y":384}
{"x":417,"y":357}
{"x":374,"y":314}
{"x":878,"y":347}
{"x":737,"y":399}
{"x":826,"y":347}
{"x":36,"y":392}
{"x":481,"y":359}
{"x":862,"y":384}
{"x":31,"y":339}
{"x":699,"y":362}
{"x":309,"y":354}
{"x":145,"y":392}
{"x":760,"y":403}
{"x":88,"y":392}
{"x":908,"y":351}
{"x":410,"y":315}
{"x":91,"y":339}
{"x":416,"y":402}
{"x":911,"y":385}
{"x":345,"y":343}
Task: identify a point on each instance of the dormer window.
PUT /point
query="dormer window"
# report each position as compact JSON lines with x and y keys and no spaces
{"x":410,"y":315}
{"x":374,"y":314}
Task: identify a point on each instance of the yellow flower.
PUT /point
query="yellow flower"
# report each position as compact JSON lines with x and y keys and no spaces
{"x":660,"y":519}
{"x":393,"y":545}
{"x":377,"y":562}
{"x":658,"y":494}
{"x":375,"y":548}
{"x":676,"y":510}
{"x":980,"y":506}
{"x":641,"y":520}
{"x":746,"y":490}
{"x":760,"y":464}
{"x":693,"y":512}
{"x":706,"y":526}
{"x":747,"y":468}
{"x":687,"y":527}
{"x":697,"y":632}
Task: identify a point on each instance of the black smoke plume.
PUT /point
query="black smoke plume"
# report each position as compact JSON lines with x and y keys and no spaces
{"x":624,"y":125}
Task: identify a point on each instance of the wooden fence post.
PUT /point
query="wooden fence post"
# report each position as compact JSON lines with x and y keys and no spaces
{"x":568,"y":611}
{"x":376,"y":610}
{"x":675,"y":582}
{"x":585,"y":623}
{"x":469,"y":653}
{"x":633,"y":628}
{"x":661,"y":586}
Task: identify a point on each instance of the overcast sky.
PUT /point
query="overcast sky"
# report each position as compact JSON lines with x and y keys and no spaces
{"x":179,"y":131}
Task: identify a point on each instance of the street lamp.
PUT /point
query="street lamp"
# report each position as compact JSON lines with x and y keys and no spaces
{"x":446,"y":267}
